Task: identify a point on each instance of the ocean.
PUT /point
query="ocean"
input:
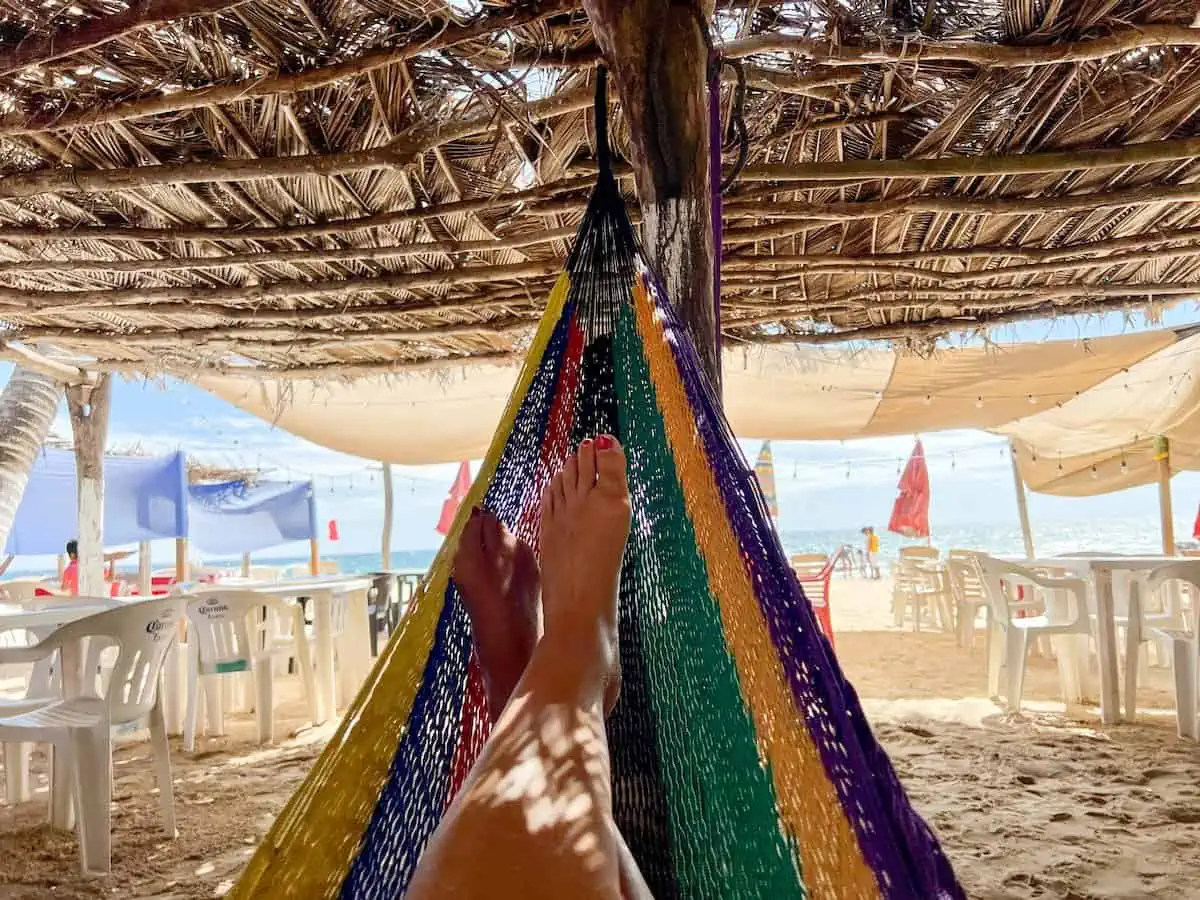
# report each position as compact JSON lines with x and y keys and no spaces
{"x":1134,"y":534}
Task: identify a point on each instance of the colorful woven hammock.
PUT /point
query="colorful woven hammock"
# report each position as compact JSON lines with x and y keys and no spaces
{"x":743,"y":766}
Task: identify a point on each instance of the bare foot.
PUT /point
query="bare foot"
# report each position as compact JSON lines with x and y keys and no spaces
{"x":497,"y":577}
{"x":585,"y":524}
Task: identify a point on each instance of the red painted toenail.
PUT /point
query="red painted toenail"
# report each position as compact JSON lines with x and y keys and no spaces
{"x":604,"y":442}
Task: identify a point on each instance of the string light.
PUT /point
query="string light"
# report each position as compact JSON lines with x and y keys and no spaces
{"x":1095,"y":472}
{"x":979,"y":402}
{"x":1032,"y":400}
{"x":928,"y":399}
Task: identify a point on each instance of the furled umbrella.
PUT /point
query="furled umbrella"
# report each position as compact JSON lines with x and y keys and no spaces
{"x":458,"y":493}
{"x":910,"y":515}
{"x":764,"y":471}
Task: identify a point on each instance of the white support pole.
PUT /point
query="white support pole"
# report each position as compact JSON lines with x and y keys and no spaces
{"x":246,"y":565}
{"x":388,"y":504}
{"x":1022,"y":504}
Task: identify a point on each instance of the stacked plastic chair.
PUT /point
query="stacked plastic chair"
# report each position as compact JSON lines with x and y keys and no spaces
{"x":743,"y":766}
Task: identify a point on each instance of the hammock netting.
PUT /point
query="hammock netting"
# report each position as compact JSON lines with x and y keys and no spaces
{"x":743,"y":766}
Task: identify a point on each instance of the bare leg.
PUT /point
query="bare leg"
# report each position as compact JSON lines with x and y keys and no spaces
{"x":534,"y":818}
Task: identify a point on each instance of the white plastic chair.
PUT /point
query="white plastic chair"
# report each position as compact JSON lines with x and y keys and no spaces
{"x":915,"y":587}
{"x":233,"y":632}
{"x":80,"y":727}
{"x":1184,"y":644}
{"x":966,"y":588}
{"x":1066,"y":613}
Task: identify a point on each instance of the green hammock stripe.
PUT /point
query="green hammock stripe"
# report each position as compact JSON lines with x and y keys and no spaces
{"x":712,"y":770}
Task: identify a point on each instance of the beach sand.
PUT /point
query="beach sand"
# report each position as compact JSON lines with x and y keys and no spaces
{"x":1045,"y":805}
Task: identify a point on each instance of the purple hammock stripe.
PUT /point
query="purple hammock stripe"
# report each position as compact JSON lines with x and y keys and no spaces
{"x":913,"y":868}
{"x":714,"y":179}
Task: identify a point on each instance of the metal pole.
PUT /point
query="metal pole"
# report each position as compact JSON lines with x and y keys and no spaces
{"x":1022,"y":504}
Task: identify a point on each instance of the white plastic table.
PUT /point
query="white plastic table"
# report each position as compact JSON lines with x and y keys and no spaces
{"x":40,"y":622}
{"x":1099,"y":571}
{"x":322,"y":590}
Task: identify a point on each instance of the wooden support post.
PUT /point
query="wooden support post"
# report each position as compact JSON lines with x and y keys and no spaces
{"x":88,"y":405}
{"x":246,"y":565}
{"x":1162,"y":459}
{"x":145,"y":570}
{"x":181,"y":561}
{"x":388,"y":501}
{"x":314,"y":557}
{"x":1022,"y":504}
{"x":658,"y":55}
{"x":62,"y":565}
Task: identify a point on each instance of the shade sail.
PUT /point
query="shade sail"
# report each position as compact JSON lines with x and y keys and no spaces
{"x":785,"y":393}
{"x":234,"y":517}
{"x":144,"y":500}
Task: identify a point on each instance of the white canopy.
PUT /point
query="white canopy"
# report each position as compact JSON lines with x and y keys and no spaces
{"x":1084,"y":403}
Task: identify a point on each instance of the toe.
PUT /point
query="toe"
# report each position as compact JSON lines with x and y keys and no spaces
{"x":490,"y":532}
{"x":570,"y":477}
{"x":587,"y":467}
{"x":610,"y":465}
{"x":548,"y":501}
{"x":472,"y":537}
{"x":558,"y":487}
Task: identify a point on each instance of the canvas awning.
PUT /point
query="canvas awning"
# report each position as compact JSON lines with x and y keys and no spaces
{"x":1035,"y":392}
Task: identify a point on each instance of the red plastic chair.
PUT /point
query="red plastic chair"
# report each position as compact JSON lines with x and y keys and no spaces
{"x":817,"y":569}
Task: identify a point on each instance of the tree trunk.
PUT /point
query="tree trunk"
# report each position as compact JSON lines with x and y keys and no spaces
{"x":659,"y":58}
{"x":27,"y":407}
{"x":89,"y":405}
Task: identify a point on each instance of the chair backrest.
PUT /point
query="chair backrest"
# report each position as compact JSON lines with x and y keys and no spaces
{"x":329,"y":567}
{"x":809,"y":564}
{"x":1189,"y":573}
{"x":142,"y":632}
{"x":20,"y":592}
{"x":227,"y":628}
{"x":264,"y":573}
{"x":920,"y":553}
{"x":965,"y":581}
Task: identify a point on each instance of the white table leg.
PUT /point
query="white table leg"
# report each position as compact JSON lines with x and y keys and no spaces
{"x":358,"y":634}
{"x":323,"y":635}
{"x":1133,"y":645}
{"x":173,"y":679}
{"x":1106,"y":645}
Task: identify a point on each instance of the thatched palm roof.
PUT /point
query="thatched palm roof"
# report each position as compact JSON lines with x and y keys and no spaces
{"x":366,"y":184}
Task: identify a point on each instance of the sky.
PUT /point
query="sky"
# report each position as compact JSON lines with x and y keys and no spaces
{"x":820,"y":485}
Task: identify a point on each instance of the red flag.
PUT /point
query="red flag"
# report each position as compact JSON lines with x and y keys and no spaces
{"x":458,"y":493}
{"x":333,"y":532}
{"x":1196,"y":527}
{"x":910,"y":515}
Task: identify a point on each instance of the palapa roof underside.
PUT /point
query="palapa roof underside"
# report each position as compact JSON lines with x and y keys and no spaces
{"x":338,"y":186}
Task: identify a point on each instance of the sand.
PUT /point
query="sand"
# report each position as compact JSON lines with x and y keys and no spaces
{"x":1045,"y":805}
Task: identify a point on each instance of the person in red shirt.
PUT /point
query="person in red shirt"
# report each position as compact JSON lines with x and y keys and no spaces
{"x":70,"y":575}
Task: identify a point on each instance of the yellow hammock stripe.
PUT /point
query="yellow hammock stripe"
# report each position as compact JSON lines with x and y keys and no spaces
{"x":311,"y":846}
{"x":833,"y":864}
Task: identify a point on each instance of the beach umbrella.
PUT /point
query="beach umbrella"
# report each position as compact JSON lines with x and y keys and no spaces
{"x":910,"y":515}
{"x":764,"y":471}
{"x":458,"y":493}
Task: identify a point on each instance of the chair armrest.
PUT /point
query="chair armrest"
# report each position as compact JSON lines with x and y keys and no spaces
{"x":40,"y":650}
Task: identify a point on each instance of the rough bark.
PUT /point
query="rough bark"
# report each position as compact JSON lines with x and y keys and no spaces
{"x":27,"y":407}
{"x":659,"y":59}
{"x":89,"y":406}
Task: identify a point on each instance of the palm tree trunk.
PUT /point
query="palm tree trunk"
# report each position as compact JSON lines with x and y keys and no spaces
{"x":27,"y":407}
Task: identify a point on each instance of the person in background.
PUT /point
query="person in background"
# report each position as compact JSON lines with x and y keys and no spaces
{"x":70,"y":575}
{"x":871,"y":539}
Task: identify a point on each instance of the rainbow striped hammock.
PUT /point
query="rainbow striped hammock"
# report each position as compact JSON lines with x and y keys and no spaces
{"x":743,"y":766}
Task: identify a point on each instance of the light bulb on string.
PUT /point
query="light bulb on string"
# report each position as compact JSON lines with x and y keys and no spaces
{"x":847,"y":471}
{"x":953,"y":463}
{"x":979,"y":402}
{"x":1095,"y":472}
{"x":928,"y":399}
{"x":1032,"y":399}
{"x":1124,"y":466}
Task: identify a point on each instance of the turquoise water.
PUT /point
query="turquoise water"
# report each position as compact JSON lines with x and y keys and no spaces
{"x":1135,"y":534}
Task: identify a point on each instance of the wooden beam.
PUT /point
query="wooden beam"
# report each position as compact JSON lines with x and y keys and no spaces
{"x":250,"y":296}
{"x":1162,"y":463}
{"x":1146,"y":153}
{"x":61,"y":372}
{"x":838,"y":213}
{"x":834,"y":53}
{"x":658,"y":55}
{"x":39,"y":49}
{"x":89,"y":409}
{"x":436,"y":35}
{"x":286,"y":257}
{"x":399,"y":152}
{"x":529,"y":197}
